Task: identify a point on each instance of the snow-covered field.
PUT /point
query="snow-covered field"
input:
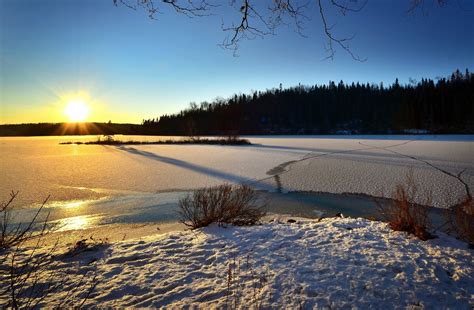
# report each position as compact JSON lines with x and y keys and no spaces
{"x":335,"y":263}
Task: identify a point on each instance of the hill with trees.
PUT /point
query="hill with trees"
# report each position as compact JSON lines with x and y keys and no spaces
{"x":444,"y":106}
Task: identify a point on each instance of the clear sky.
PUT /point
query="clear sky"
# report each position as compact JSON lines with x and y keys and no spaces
{"x":127,"y":67}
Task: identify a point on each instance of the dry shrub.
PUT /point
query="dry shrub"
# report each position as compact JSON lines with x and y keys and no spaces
{"x":461,"y":220}
{"x":403,"y":214}
{"x":236,"y":205}
{"x":31,"y":273}
{"x":13,"y":235}
{"x":233,"y":139}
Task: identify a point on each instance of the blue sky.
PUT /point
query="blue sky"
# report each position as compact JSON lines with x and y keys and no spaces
{"x":130,"y":67}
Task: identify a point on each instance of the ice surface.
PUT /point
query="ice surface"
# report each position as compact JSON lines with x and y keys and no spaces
{"x":375,"y":167}
{"x":367,"y":164}
{"x":40,"y":166}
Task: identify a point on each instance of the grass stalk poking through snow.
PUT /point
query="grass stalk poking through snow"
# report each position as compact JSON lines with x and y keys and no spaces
{"x":240,"y":276}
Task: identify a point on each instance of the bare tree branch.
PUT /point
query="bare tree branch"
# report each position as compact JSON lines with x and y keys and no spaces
{"x":245,"y":29}
{"x":259,"y":18}
{"x":191,"y":8}
{"x":342,"y":42}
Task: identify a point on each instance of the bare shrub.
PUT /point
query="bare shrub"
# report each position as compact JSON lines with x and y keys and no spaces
{"x":29,"y":270}
{"x":236,"y":205}
{"x":461,"y":220}
{"x":104,"y":140}
{"x":33,"y":275}
{"x":233,"y":139}
{"x":14,"y":235}
{"x":403,"y":214}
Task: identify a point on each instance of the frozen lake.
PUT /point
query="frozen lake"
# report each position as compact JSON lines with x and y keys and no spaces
{"x":102,"y":183}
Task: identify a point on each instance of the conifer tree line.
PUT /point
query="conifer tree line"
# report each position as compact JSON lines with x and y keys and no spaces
{"x":444,"y":106}
{"x":441,"y":106}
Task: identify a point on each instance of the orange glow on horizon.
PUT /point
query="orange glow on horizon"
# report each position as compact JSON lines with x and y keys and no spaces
{"x":73,"y":108}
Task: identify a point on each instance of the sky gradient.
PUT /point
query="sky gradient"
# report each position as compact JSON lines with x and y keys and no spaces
{"x":128,"y":67}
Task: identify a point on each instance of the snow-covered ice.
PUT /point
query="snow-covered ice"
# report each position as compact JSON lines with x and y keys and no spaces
{"x":370,"y":165}
{"x":374,"y":167}
{"x":334,"y":263}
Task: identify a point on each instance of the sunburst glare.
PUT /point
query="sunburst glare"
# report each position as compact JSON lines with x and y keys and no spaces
{"x":77,"y":110}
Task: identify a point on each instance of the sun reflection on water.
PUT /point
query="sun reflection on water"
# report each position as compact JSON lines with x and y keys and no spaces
{"x":74,"y":204}
{"x":72,"y":215}
{"x":71,"y":204}
{"x":77,"y":222}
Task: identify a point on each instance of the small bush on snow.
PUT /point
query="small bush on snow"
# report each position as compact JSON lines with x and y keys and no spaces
{"x":461,"y":220}
{"x":225,"y":203}
{"x":403,"y":214}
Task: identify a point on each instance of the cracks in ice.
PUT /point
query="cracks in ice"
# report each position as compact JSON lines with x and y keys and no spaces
{"x":276,"y":172}
{"x":455,"y":176}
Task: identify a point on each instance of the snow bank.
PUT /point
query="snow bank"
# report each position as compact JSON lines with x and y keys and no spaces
{"x":336,"y":263}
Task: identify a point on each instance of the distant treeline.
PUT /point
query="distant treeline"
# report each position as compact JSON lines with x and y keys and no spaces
{"x":60,"y":129}
{"x":444,"y":106}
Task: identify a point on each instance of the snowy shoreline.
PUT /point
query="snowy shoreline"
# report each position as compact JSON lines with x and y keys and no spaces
{"x":334,"y":262}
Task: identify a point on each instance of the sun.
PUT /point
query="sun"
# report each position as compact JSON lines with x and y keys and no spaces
{"x":76,"y":110}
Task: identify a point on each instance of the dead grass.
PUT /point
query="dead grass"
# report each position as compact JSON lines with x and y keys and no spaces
{"x":242,"y":275}
{"x":403,"y":214}
{"x":223,"y":204}
{"x":86,"y":245}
